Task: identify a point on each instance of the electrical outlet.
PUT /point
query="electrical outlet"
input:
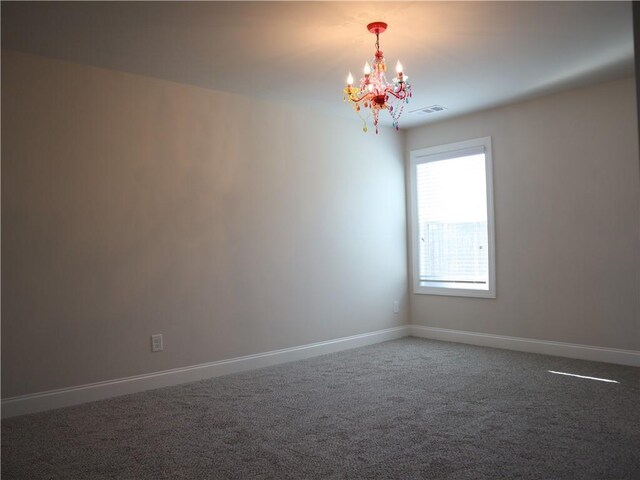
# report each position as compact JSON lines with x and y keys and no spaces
{"x":157,"y":344}
{"x":396,"y":306}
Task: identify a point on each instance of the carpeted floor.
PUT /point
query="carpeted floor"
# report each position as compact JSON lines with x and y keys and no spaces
{"x":404,"y":409}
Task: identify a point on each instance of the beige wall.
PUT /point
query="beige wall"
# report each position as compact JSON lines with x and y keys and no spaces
{"x":133,"y":206}
{"x":567,"y":215}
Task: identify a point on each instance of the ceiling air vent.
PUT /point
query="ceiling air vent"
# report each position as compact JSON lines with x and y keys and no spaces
{"x":428,"y":110}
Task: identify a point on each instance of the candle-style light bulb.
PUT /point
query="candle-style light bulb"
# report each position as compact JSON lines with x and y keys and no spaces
{"x":399,"y":67}
{"x":350,"y":79}
{"x":367,"y":68}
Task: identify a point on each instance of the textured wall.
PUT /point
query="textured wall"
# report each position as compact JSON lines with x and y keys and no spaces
{"x":567,"y":215}
{"x":133,"y":206}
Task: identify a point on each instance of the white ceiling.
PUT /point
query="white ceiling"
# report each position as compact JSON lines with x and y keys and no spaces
{"x":466,"y":56}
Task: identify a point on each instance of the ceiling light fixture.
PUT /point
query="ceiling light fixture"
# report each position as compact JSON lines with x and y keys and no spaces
{"x":375,"y":93}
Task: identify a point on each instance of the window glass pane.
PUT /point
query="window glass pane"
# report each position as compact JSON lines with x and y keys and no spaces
{"x":452,"y":221}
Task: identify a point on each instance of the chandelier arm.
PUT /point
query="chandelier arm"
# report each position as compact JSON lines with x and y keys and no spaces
{"x":399,"y":97}
{"x":361,"y":98}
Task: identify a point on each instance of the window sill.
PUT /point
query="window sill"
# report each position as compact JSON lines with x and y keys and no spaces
{"x":454,"y":290}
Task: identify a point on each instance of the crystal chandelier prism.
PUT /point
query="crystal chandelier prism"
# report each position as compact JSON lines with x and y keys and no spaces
{"x":375,"y":93}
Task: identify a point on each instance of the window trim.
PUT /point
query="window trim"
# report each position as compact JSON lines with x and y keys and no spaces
{"x":440,"y":152}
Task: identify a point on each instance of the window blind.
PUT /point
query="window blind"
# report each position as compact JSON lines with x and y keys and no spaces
{"x":452,"y":217}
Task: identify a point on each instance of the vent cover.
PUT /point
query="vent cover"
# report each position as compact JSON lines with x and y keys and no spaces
{"x":428,"y":110}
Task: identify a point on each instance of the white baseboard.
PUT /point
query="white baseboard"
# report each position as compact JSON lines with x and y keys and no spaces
{"x":571,"y":350}
{"x":65,"y":397}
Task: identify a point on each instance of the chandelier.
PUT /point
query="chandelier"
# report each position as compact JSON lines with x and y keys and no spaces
{"x":375,"y":93}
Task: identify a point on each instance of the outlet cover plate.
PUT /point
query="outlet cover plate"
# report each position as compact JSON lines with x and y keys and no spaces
{"x":157,"y":345}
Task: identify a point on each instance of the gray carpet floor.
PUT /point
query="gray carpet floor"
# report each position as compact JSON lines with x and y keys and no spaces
{"x":406,"y":409}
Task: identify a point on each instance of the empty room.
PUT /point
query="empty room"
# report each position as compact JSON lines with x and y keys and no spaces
{"x":308,"y":240}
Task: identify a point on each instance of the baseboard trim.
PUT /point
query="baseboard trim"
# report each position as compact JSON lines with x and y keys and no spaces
{"x":65,"y":397}
{"x":546,"y":347}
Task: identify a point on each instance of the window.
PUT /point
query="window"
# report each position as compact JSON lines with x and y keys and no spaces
{"x":452,"y":232}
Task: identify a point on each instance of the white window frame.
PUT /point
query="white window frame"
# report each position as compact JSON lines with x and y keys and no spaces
{"x":435,"y":153}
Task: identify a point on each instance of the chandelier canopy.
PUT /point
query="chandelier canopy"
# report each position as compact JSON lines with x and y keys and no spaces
{"x":375,"y":93}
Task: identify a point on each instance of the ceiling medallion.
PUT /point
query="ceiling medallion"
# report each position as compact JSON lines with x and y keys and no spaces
{"x":375,"y":93}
